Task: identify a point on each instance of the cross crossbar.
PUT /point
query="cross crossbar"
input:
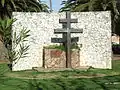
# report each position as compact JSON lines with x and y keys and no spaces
{"x":65,"y":30}
{"x":62,"y":40}
{"x":65,"y":21}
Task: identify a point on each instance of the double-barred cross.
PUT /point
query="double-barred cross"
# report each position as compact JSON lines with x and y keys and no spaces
{"x":68,"y":30}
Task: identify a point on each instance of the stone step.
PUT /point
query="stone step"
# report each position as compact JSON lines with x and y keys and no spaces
{"x":41,"y":69}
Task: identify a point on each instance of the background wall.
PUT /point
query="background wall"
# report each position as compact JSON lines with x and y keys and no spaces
{"x":95,"y":39}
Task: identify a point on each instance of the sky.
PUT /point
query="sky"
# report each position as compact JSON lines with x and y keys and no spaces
{"x":56,"y":4}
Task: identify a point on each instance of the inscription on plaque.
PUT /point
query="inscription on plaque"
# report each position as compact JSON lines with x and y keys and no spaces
{"x":55,"y":53}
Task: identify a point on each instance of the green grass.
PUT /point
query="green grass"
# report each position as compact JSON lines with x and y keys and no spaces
{"x":101,"y":83}
{"x":60,"y":47}
{"x":116,"y":65}
{"x":71,"y":73}
{"x":91,"y":79}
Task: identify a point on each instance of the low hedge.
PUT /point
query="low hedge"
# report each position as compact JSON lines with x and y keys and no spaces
{"x":116,"y":48}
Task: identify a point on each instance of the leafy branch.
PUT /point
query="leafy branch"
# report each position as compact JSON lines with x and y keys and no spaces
{"x":14,"y":41}
{"x":19,"y":49}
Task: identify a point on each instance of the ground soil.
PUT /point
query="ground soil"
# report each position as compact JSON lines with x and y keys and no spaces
{"x":4,"y":61}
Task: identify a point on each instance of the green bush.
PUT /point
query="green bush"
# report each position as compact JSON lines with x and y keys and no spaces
{"x":62,"y":47}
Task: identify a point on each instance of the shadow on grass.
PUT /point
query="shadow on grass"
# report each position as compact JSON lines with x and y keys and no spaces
{"x":98,"y":83}
{"x":64,"y":82}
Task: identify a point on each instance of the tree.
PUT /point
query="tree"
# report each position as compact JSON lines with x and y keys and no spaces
{"x":6,"y":9}
{"x":88,"y":5}
{"x":93,"y":5}
{"x":8,"y":6}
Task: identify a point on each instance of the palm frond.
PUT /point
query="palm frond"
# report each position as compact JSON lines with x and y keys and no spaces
{"x":3,"y":2}
{"x":80,"y":8}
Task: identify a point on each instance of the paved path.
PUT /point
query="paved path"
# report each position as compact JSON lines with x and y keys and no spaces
{"x":116,"y":57}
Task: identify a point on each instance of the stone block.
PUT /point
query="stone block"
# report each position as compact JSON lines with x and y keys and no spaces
{"x":55,"y":58}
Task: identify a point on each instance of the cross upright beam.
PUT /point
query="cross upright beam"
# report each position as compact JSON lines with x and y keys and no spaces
{"x":68,"y":62}
{"x":68,"y":22}
{"x":68,"y":17}
{"x":67,"y":34}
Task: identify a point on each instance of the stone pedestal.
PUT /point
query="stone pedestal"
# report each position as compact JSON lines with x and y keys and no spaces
{"x":55,"y":58}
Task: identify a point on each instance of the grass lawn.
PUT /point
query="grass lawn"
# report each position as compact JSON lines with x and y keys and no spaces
{"x":90,"y":79}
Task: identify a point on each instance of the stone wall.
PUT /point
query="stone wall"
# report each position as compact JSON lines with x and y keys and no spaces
{"x":95,"y":39}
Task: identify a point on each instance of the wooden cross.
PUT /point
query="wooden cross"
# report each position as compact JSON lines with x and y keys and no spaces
{"x":68,"y":30}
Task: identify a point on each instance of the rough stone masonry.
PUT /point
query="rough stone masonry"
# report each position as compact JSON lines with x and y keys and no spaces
{"x":95,"y":39}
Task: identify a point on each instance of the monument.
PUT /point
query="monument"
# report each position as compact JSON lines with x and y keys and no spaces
{"x":95,"y":39}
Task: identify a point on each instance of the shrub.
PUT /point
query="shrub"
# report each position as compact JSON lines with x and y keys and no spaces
{"x":116,"y":48}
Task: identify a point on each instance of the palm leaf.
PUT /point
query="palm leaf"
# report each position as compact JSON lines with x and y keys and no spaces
{"x":3,"y":2}
{"x":13,"y":4}
{"x":81,"y":7}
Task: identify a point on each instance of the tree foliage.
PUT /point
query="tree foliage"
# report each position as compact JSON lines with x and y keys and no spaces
{"x":8,"y":6}
{"x":19,"y":49}
{"x":94,"y":5}
{"x":89,"y":5}
{"x":5,"y":28}
{"x":6,"y":9}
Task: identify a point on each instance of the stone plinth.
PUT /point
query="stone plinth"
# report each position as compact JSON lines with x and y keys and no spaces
{"x":75,"y":58}
{"x":55,"y":58}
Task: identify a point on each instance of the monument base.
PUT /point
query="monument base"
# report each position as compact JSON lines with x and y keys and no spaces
{"x":55,"y":58}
